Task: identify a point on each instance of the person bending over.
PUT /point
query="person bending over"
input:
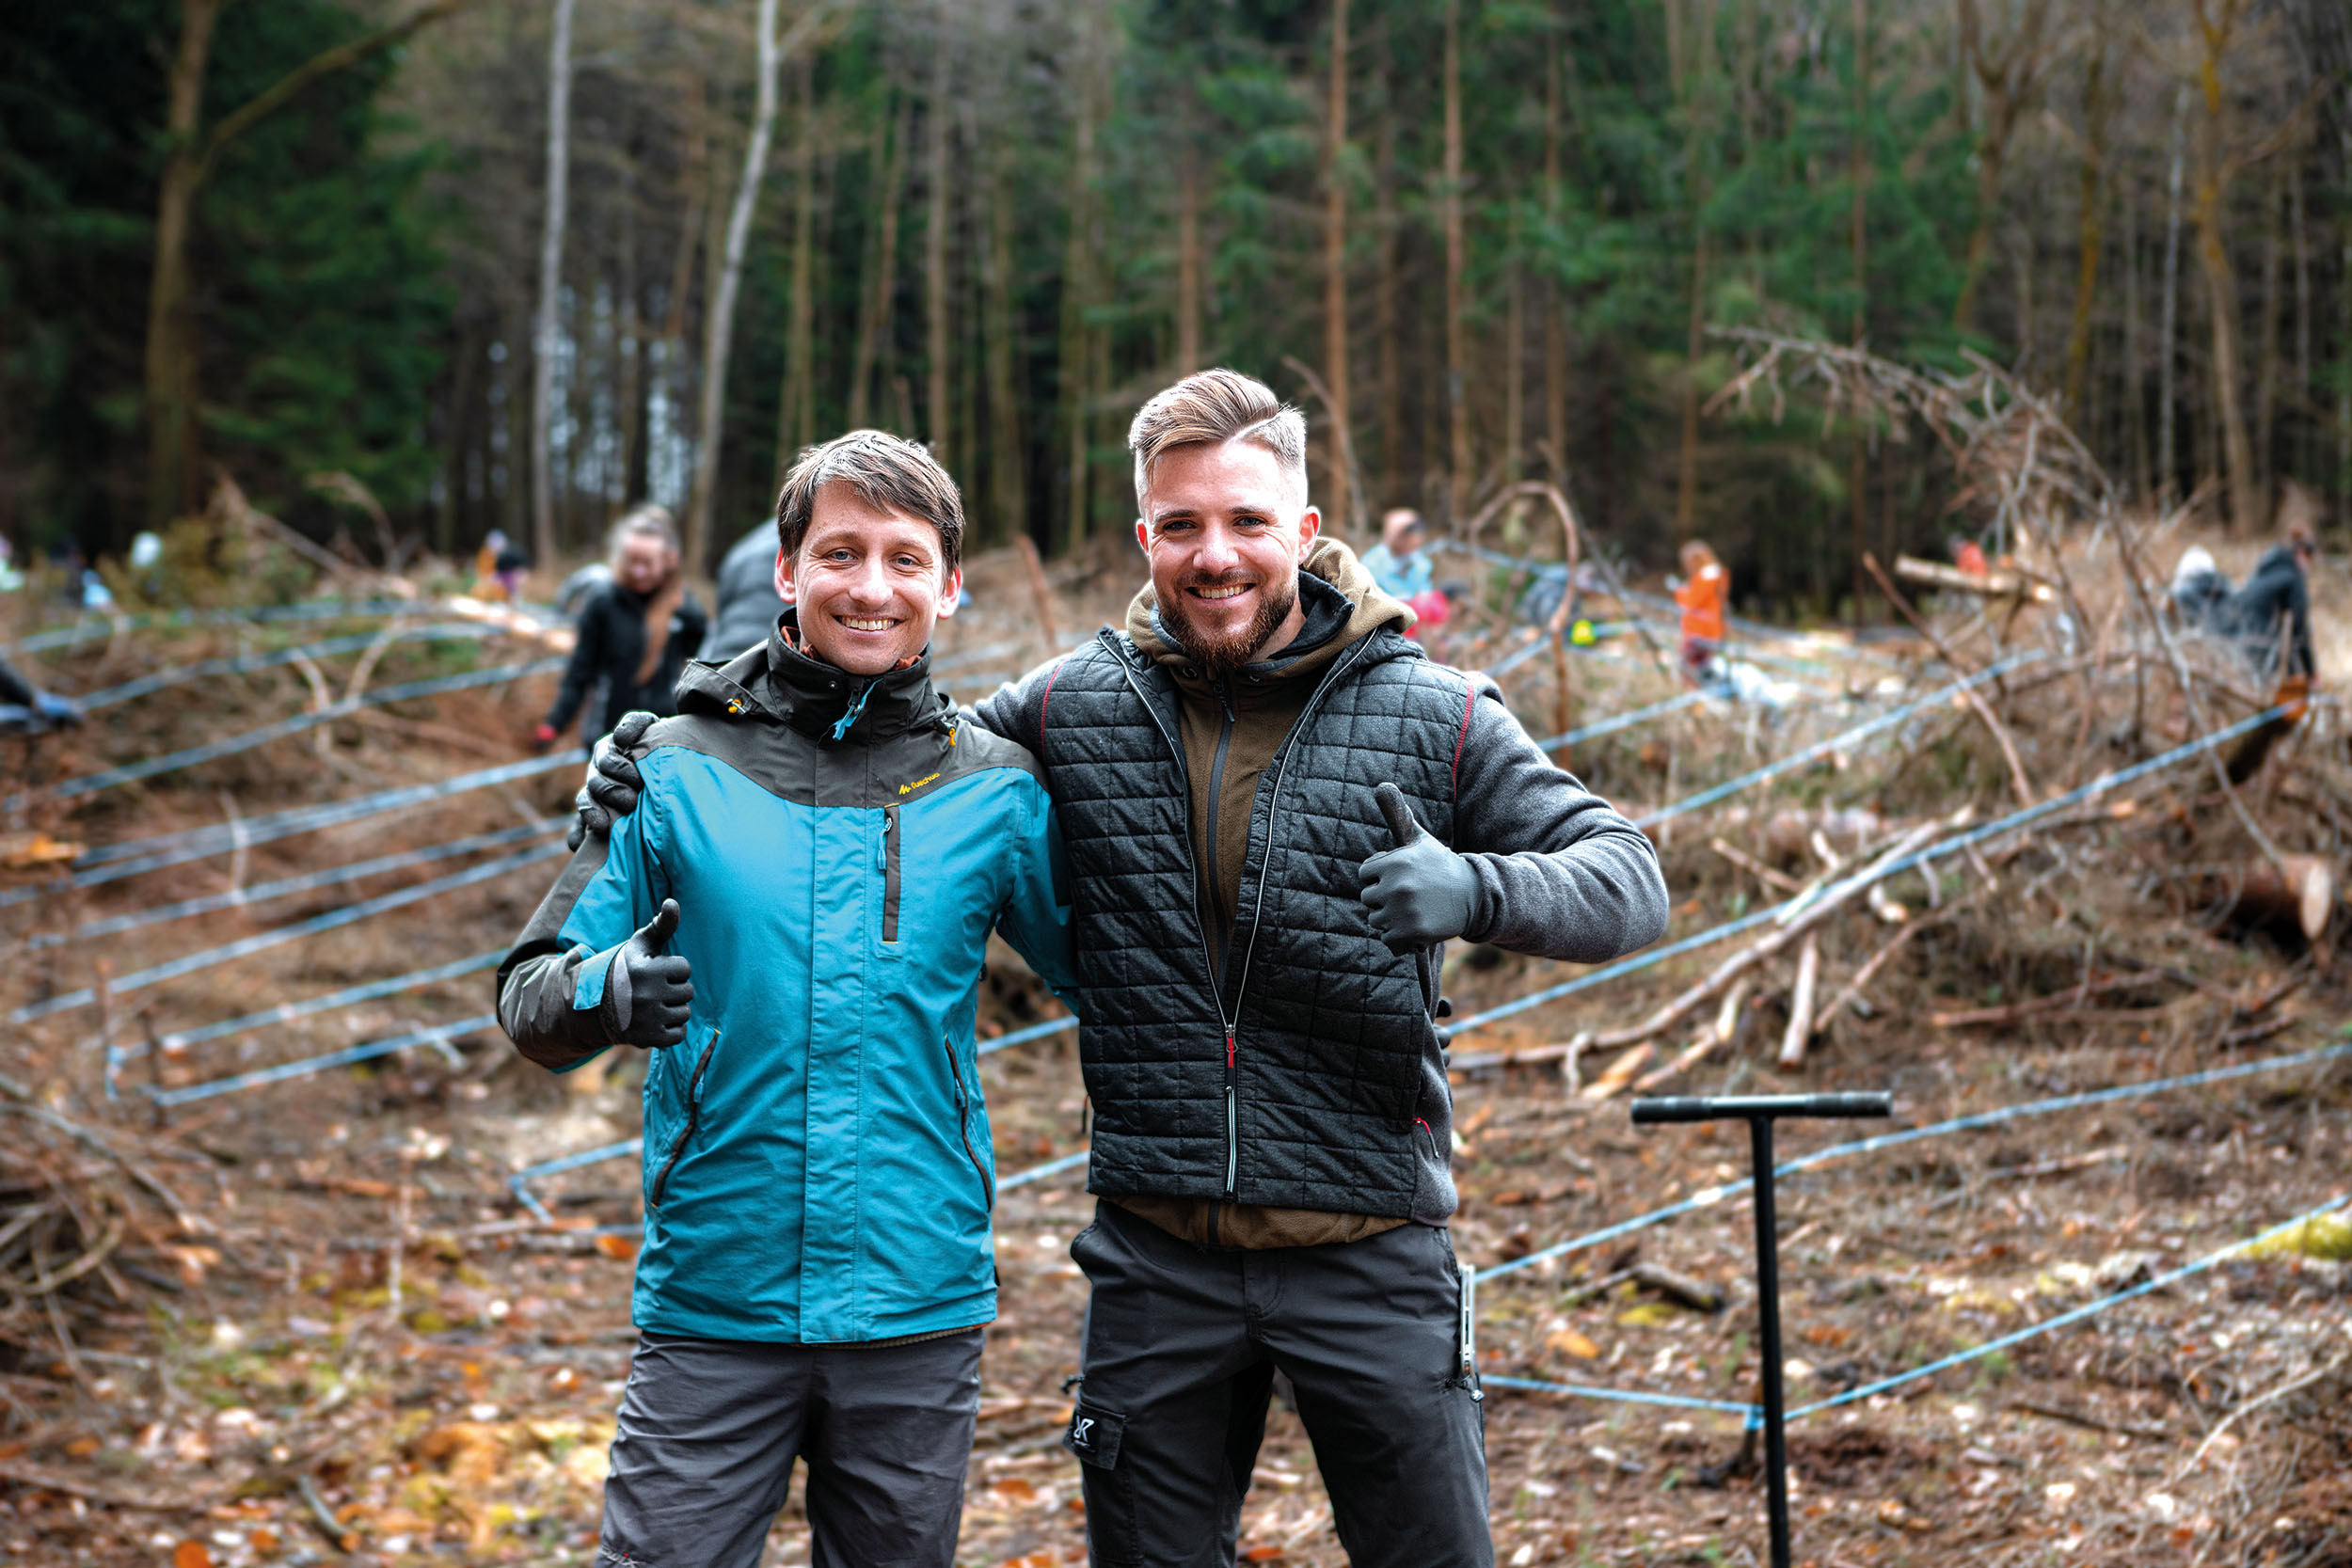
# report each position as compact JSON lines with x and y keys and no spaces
{"x":794,"y":923}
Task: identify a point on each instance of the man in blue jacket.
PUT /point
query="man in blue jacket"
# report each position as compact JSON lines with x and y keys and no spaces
{"x":794,"y":921}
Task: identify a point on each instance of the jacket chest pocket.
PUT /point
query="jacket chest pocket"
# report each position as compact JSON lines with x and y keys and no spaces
{"x":889,"y":858}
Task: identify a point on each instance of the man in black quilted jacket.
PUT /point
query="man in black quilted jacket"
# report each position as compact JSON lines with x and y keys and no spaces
{"x":1278,"y":810}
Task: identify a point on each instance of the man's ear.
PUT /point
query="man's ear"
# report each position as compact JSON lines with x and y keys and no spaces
{"x":951,"y":594}
{"x":1309,"y":524}
{"x":786,"y":590}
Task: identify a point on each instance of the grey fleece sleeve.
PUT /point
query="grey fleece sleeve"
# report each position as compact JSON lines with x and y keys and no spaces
{"x":1561,"y":875}
{"x":1016,"y":710}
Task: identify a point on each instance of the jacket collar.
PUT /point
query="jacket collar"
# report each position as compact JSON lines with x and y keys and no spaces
{"x":777,"y":681}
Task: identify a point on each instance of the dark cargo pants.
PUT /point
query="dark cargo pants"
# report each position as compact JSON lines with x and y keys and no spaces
{"x":710,"y":1430}
{"x":1181,"y":1344}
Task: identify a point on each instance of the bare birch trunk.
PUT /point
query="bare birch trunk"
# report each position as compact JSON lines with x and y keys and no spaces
{"x":546,"y":330}
{"x":719,"y":321}
{"x":1338,"y":482}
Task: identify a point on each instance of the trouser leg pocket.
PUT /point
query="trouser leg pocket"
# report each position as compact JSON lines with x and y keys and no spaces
{"x":1114,"y":1540}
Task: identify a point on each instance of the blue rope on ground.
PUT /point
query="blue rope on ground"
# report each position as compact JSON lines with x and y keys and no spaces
{"x":179,"y":675}
{"x":1819,"y":749}
{"x":2064,"y":1320}
{"x":95,"y":627}
{"x":1023,"y":1037}
{"x":1038,"y":1173}
{"x":1622,"y":1396}
{"x":112,"y":862}
{"x":1710,"y":1196}
{"x":1621,"y":722}
{"x":286,"y":1012}
{"x":438,"y":1033}
{"x":264,"y":892}
{"x":349,"y":914}
{"x":230,"y":745}
{"x":2021,"y":818}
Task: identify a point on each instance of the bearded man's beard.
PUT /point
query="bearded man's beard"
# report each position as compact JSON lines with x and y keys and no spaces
{"x":1220,"y":655}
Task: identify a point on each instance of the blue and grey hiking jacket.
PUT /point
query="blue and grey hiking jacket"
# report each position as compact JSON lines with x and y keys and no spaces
{"x":818,"y":1168}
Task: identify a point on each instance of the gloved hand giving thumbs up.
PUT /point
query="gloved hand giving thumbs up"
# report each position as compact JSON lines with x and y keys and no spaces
{"x":1420,"y":892}
{"x":647,"y":991}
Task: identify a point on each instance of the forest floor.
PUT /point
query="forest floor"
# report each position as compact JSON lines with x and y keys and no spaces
{"x":343,"y":1339}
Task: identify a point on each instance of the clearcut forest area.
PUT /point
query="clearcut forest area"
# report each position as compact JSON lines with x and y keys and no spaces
{"x":336,"y":334}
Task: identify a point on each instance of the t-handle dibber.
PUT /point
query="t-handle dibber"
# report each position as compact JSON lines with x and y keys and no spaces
{"x":1759,"y":1111}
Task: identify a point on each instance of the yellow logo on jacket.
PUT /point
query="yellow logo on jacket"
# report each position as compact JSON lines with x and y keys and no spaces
{"x":910,"y":788}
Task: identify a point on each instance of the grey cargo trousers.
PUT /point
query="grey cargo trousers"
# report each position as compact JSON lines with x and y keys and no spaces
{"x":710,"y":1430}
{"x":1181,"y":1344}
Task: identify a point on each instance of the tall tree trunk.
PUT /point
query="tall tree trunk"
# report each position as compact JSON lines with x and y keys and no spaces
{"x":2266,"y":379}
{"x":1458,"y":477}
{"x":171,"y":436}
{"x":174,"y":483}
{"x":1007,"y":458}
{"x":1688,"y":58}
{"x":1514,"y":353}
{"x":1552,"y":299}
{"x":938,"y":416}
{"x":1187,"y":260}
{"x":719,"y":321}
{"x":1385,"y":329}
{"x":1338,"y":482}
{"x":2216,"y":21}
{"x":2168,"y":329}
{"x":1858,"y":175}
{"x":2135,"y":399}
{"x":793,"y":413}
{"x":2006,"y":73}
{"x":1077,"y":361}
{"x":629,"y":391}
{"x":2307,"y":462}
{"x":546,"y":331}
{"x":882,"y":288}
{"x":2089,"y":223}
{"x":467,"y":377}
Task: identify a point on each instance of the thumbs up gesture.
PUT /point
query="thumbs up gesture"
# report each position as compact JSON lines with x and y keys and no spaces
{"x":1420,"y":892}
{"x":646,"y":991}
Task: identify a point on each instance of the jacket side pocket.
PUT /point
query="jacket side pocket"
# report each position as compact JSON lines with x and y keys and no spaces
{"x":660,"y":1182}
{"x":964,"y":1126}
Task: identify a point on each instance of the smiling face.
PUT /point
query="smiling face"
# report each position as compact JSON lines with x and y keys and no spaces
{"x":643,"y":564}
{"x":869,"y":582}
{"x":1225,"y":530}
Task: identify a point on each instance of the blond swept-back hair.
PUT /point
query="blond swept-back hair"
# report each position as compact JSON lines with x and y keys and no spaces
{"x":648,"y":521}
{"x":889,"y":473}
{"x":1218,"y":406}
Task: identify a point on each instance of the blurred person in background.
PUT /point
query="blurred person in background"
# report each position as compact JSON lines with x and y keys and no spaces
{"x":499,"y":567}
{"x":1704,"y":591}
{"x":748,"y":601}
{"x":1400,"y":567}
{"x":636,"y":632}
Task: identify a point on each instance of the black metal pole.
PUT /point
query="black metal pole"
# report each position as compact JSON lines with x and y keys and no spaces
{"x":1767,"y":1307}
{"x":1759,"y":1111}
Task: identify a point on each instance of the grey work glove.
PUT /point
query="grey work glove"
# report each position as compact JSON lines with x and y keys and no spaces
{"x":1420,"y":892}
{"x":614,"y":781}
{"x":647,"y":991}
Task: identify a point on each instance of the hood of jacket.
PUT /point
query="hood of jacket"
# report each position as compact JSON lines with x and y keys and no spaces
{"x":1343,"y":606}
{"x":779,"y":681}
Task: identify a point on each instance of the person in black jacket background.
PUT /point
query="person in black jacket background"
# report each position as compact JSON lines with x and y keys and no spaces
{"x":748,"y":601}
{"x":635,"y":633}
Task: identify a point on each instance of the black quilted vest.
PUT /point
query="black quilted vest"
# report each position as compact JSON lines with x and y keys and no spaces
{"x":1315,"y":1080}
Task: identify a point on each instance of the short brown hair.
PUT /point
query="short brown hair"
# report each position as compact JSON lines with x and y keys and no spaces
{"x":1217,"y":406}
{"x":887,"y":472}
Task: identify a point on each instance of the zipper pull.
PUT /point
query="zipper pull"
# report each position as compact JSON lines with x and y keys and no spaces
{"x":1229,"y":1059}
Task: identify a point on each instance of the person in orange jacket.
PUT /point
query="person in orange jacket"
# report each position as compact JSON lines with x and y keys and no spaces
{"x":1704,"y":593}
